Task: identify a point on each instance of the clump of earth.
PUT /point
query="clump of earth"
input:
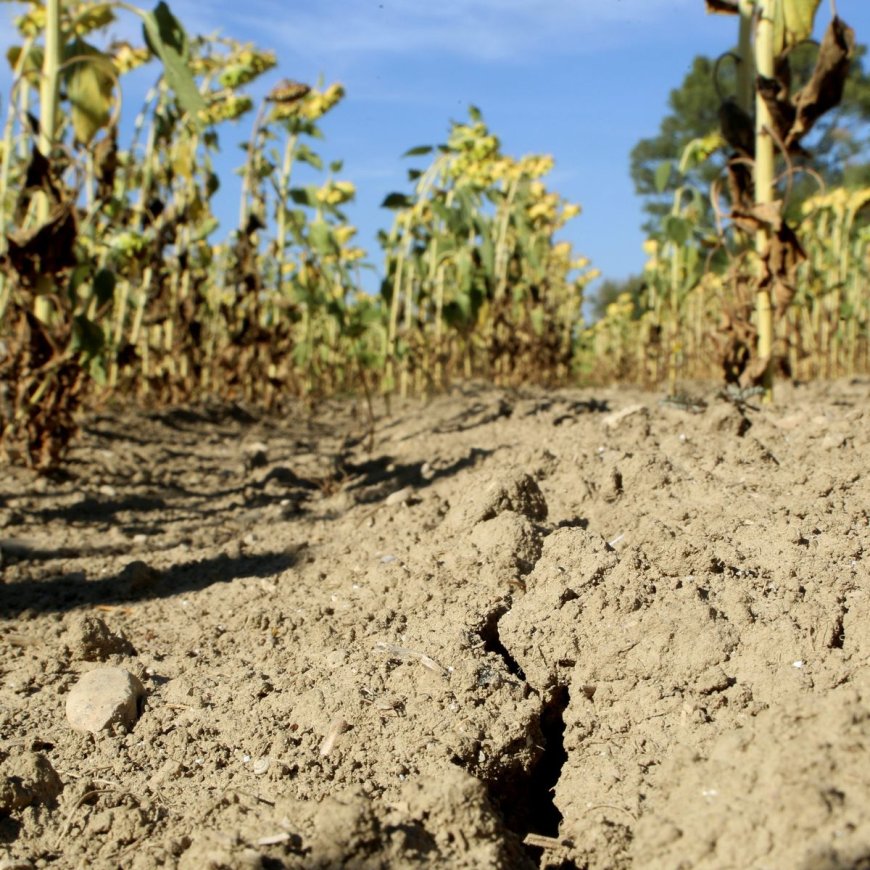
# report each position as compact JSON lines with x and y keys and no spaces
{"x":565,"y":629}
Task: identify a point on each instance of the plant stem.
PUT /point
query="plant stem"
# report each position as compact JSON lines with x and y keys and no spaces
{"x":49,"y":85}
{"x":764,"y":175}
{"x":746,"y":67}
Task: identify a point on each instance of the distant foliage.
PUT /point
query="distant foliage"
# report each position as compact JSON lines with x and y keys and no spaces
{"x":114,"y":282}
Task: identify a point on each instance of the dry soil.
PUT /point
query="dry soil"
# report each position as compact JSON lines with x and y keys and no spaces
{"x":573,"y":629}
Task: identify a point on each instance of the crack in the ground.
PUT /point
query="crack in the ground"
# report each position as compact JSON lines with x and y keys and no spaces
{"x":528,"y":803}
{"x":492,"y":642}
{"x":837,"y":636}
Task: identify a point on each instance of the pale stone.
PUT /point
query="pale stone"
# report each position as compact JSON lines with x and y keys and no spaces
{"x":104,"y":697}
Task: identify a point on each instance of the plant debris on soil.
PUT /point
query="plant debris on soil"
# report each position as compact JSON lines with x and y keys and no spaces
{"x":566,"y":629}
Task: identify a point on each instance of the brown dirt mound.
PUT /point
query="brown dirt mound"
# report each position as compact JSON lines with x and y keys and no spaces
{"x":564,"y":629}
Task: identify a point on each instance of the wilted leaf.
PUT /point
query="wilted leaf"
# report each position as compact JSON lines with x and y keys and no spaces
{"x":764,"y":214}
{"x":740,"y":184}
{"x":824,"y":90}
{"x":45,"y":250}
{"x":737,"y":128}
{"x":782,"y":112}
{"x":39,"y":177}
{"x":105,"y":154}
{"x":780,"y":264}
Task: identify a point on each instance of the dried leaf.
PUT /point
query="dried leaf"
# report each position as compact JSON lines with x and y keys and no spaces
{"x":740,"y":184}
{"x":288,"y":91}
{"x":723,"y":7}
{"x":780,"y":264}
{"x":46,"y":250}
{"x":43,"y":393}
{"x":105,"y":154}
{"x":782,"y":112}
{"x":737,"y":128}
{"x":824,"y":90}
{"x":758,"y":216}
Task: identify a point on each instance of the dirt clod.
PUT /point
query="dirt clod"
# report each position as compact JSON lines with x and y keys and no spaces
{"x":91,"y":640}
{"x":27,"y":778}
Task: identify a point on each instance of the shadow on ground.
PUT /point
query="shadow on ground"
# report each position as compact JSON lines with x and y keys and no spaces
{"x":70,"y":591}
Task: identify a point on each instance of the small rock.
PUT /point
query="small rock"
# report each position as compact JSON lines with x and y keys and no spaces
{"x":26,"y":779}
{"x":91,"y":640}
{"x":104,"y":697}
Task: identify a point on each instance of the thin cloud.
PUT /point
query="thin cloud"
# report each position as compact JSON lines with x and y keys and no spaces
{"x":335,"y":30}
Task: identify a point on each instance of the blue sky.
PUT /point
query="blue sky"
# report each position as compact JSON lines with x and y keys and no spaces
{"x":582,"y":80}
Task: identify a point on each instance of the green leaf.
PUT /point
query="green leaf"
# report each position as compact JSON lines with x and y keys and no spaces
{"x":32,"y":63}
{"x":302,"y":196}
{"x":90,"y":81}
{"x":305,"y":155}
{"x":677,"y":229}
{"x":397,"y":200}
{"x":336,"y":166}
{"x":166,"y":38}
{"x":475,"y":114}
{"x":103,"y":286}
{"x":418,"y":151}
{"x":487,"y":256}
{"x":321,"y":238}
{"x":98,"y":372}
{"x":87,"y":337}
{"x":663,"y":175}
{"x":793,"y":23}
